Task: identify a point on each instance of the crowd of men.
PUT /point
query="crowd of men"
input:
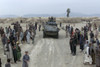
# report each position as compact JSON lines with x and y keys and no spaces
{"x":12,"y":38}
{"x":87,"y":39}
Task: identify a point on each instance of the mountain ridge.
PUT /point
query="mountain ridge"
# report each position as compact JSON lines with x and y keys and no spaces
{"x":54,"y":15}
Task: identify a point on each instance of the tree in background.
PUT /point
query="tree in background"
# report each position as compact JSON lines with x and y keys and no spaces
{"x":68,"y":12}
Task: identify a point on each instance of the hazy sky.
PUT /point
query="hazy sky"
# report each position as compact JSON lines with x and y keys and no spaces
{"x":21,"y":7}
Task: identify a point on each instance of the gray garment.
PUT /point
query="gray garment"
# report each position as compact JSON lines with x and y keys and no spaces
{"x":28,"y":37}
{"x":21,"y":35}
{"x":4,"y":40}
{"x":97,"y":56}
{"x":26,"y":58}
{"x":9,"y":52}
{"x":7,"y":65}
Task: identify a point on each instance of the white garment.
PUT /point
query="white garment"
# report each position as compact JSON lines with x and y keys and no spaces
{"x":9,"y":53}
{"x":87,"y":58}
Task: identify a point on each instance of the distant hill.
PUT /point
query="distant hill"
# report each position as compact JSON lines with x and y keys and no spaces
{"x":36,"y":15}
{"x":8,"y":16}
{"x":84,"y":15}
{"x":54,"y":15}
{"x":62,"y":15}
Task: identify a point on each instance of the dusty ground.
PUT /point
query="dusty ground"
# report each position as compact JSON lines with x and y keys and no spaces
{"x":49,"y":52}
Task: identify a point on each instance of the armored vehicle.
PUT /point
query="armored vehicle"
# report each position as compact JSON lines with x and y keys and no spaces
{"x":51,"y":29}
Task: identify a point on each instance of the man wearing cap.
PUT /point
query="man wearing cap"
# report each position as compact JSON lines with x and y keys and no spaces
{"x":18,"y":51}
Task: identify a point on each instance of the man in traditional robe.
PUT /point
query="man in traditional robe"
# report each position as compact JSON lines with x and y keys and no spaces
{"x":4,"y":42}
{"x":28,"y":37}
{"x":15,"y":54}
{"x":18,"y":51}
{"x":9,"y":51}
{"x":98,"y":56}
{"x":87,"y":58}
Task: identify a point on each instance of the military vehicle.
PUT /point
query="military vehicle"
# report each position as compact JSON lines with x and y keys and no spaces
{"x":50,"y":28}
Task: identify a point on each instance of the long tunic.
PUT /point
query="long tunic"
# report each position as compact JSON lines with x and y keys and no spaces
{"x":4,"y":41}
{"x":98,"y":56}
{"x":81,"y":42}
{"x":18,"y":52}
{"x":9,"y":52}
{"x":28,"y":37}
{"x":87,"y":57}
{"x":21,"y":36}
{"x":15,"y":55}
{"x":92,"y":53}
{"x":26,"y":58}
